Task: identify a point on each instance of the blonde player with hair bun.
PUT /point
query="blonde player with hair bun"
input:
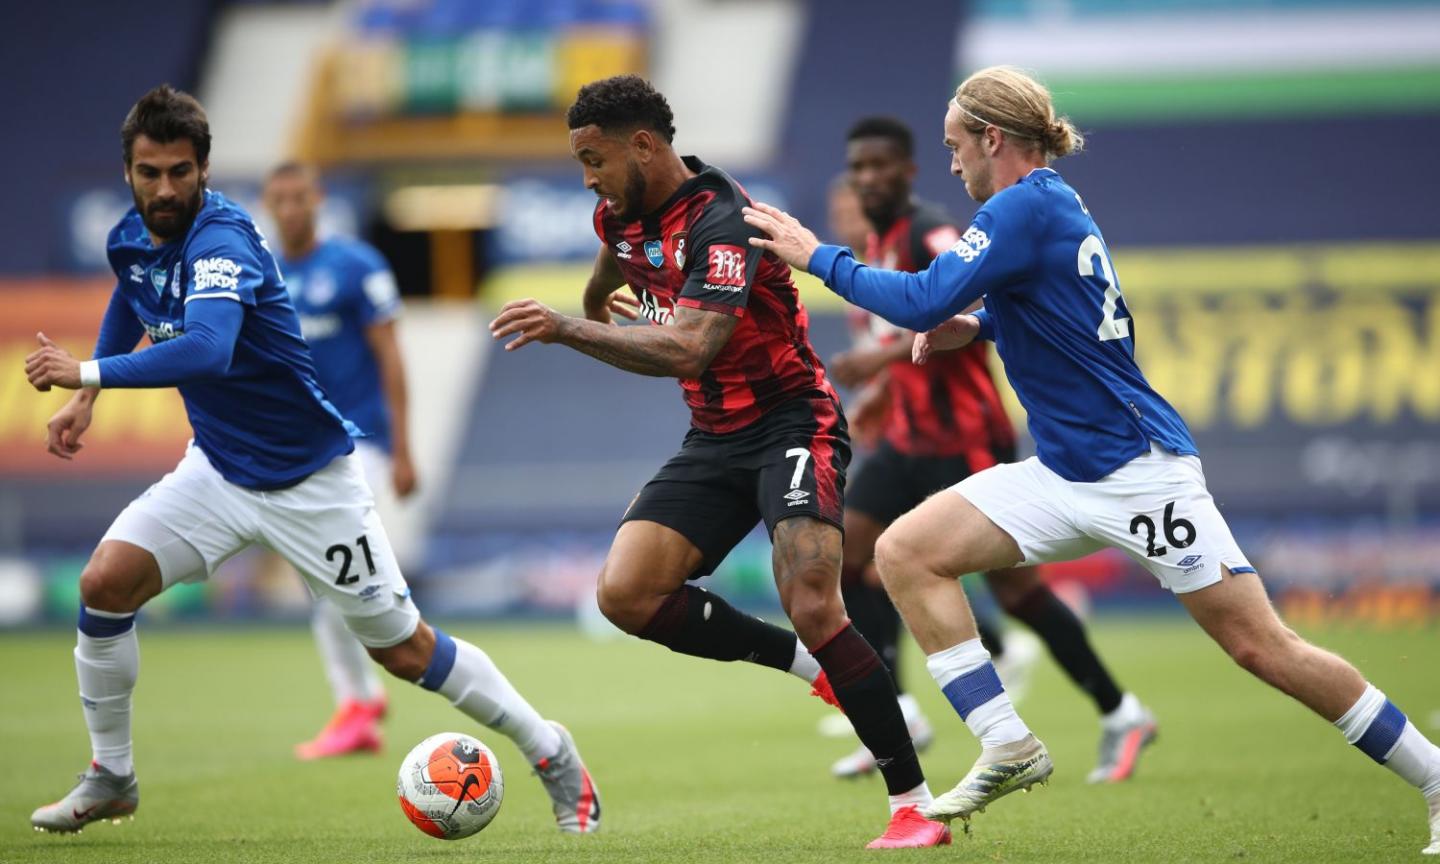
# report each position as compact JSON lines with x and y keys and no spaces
{"x":1115,"y":465}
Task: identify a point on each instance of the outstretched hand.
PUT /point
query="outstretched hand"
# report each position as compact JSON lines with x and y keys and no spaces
{"x":951,"y":335}
{"x":792,"y":242}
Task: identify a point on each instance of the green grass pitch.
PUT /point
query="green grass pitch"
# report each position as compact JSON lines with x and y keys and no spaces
{"x":703,"y":762}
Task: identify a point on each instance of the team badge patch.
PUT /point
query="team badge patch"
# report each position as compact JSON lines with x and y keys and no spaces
{"x":158,"y":278}
{"x":678,"y":241}
{"x":175,"y":281}
{"x":654,"y":254}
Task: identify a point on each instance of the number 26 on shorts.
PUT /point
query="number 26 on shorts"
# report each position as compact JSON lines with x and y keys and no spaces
{"x":1179,"y":532}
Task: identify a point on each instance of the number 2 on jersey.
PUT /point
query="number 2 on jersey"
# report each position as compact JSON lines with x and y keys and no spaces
{"x":1110,"y":326}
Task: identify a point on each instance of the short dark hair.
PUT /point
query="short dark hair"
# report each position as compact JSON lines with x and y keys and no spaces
{"x":884,"y":127}
{"x":622,"y":102}
{"x":292,"y":167}
{"x":164,"y":115}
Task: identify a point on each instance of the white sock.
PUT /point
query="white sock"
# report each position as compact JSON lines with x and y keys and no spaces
{"x":107,"y":668}
{"x":1353,"y":723}
{"x":1129,"y":711}
{"x":1382,"y":732}
{"x":348,"y":667}
{"x":967,"y":677}
{"x":918,"y":797}
{"x":478,"y":688}
{"x":804,"y":665}
{"x":909,"y":707}
{"x":1417,"y":759}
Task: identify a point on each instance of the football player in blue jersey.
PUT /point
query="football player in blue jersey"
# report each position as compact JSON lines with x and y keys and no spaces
{"x":272,"y":463}
{"x":348,"y":304}
{"x":1115,"y":465}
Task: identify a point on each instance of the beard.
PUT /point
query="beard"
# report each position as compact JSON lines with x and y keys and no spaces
{"x":171,"y":218}
{"x":635,"y":187}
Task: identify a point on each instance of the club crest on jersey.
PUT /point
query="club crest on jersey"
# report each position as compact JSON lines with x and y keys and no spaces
{"x":654,"y":254}
{"x":678,"y":239}
{"x":158,"y":278}
{"x":175,"y":281}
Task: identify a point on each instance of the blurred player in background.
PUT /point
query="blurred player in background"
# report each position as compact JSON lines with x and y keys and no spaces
{"x":767,"y":439}
{"x":272,"y":463}
{"x":866,"y":602}
{"x":942,"y":422}
{"x":1115,"y":465}
{"x":348,"y":304}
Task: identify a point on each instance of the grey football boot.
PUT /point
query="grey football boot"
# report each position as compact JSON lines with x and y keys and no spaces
{"x":572,"y":792}
{"x":100,"y":794}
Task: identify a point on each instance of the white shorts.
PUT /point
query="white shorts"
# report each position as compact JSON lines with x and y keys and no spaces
{"x":325,"y":526}
{"x":1155,"y":508}
{"x":399,"y":517}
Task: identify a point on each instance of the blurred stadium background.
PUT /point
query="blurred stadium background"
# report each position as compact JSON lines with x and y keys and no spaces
{"x":1263,"y":169}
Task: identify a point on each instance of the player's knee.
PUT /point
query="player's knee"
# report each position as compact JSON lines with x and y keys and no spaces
{"x":622,"y":607}
{"x":815,"y":614}
{"x":107,"y":587}
{"x":895,"y":557}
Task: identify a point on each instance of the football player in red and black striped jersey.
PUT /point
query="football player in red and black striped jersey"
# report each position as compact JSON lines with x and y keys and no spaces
{"x":941,"y":422}
{"x":767,"y":442}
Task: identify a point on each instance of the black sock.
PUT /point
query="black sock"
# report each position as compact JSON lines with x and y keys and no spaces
{"x":868,"y":697}
{"x":873,"y":614}
{"x":693,"y":621}
{"x":1063,"y":633}
{"x":989,"y":629}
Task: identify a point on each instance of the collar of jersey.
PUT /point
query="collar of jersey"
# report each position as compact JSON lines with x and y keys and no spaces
{"x":694,"y":164}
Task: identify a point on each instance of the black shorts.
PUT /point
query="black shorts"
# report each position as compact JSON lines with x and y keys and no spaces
{"x":790,"y":462}
{"x":890,"y":484}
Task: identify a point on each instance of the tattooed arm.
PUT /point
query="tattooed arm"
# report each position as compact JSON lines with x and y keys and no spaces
{"x":681,"y":350}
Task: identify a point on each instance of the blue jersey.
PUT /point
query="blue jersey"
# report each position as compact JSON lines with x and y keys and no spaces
{"x":341,"y":288}
{"x":1054,"y":309}
{"x":254,"y":404}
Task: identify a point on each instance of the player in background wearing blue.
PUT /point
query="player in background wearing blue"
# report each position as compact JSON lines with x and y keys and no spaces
{"x":1115,"y":464}
{"x":271,"y":463}
{"x":347,"y":301}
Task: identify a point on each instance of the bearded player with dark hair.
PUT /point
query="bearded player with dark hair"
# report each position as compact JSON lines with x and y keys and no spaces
{"x":767,"y":442}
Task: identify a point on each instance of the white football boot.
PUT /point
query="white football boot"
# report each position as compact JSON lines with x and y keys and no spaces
{"x":996,"y":773}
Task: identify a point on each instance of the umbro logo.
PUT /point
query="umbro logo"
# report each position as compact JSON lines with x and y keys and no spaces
{"x":622,"y":250}
{"x":1188,"y":560}
{"x":796,"y":497}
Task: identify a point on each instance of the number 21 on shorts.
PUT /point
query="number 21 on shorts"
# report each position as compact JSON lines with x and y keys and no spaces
{"x":347,"y":557}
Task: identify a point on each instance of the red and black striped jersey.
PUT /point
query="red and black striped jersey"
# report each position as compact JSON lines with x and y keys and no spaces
{"x":949,"y":406}
{"x":694,"y":251}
